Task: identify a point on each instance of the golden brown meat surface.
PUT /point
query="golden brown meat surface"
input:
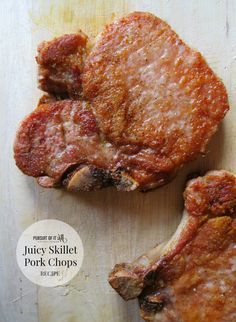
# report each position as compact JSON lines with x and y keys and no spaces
{"x":193,"y":276}
{"x":57,"y":137}
{"x":61,"y":63}
{"x":156,"y":103}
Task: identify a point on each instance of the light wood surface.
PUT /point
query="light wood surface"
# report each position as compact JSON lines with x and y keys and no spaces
{"x":114,"y":226}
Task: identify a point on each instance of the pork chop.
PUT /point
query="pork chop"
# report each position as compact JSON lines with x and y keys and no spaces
{"x":192,"y":277}
{"x":156,"y":104}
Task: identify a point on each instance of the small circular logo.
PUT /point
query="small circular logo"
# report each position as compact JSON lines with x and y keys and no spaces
{"x":49,"y":253}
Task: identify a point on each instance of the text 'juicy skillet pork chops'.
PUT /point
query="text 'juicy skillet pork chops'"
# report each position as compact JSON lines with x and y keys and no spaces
{"x":129,"y":112}
{"x":192,"y":277}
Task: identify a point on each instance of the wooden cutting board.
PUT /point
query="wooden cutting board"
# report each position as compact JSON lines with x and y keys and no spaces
{"x":114,"y":226}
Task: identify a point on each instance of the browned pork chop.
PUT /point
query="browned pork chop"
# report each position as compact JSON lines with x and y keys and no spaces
{"x":156,"y":104}
{"x":57,"y":137}
{"x":191,"y":278}
{"x":61,"y":63}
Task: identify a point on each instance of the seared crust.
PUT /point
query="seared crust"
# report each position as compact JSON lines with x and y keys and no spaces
{"x":212,"y":195}
{"x":152,"y":95}
{"x":60,"y":144}
{"x":155,"y":103}
{"x":61,"y":63}
{"x":197,"y":266}
{"x":56,"y":136}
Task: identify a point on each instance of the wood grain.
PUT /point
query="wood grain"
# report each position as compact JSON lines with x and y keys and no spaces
{"x":114,"y":226}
